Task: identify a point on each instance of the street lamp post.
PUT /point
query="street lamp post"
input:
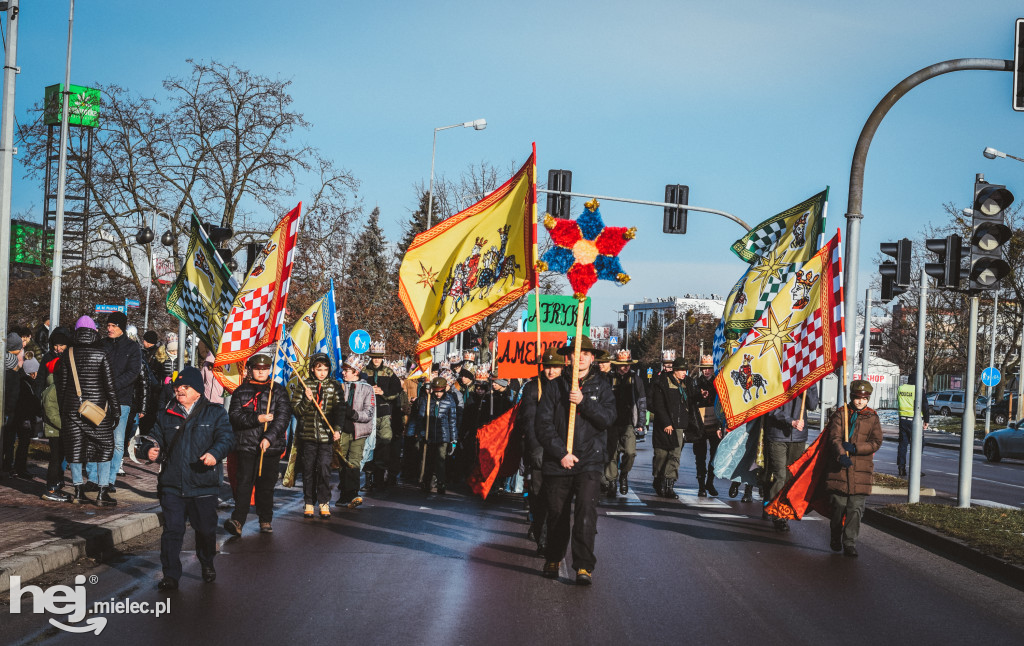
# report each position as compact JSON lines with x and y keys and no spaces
{"x":478,"y":124}
{"x":145,"y":237}
{"x":167,"y":240}
{"x":992,"y":153}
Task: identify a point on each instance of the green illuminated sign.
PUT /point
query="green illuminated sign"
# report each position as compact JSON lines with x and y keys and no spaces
{"x":27,"y":241}
{"x":83,"y":107}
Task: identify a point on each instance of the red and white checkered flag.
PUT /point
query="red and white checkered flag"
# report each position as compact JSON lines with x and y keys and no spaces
{"x":257,"y":315}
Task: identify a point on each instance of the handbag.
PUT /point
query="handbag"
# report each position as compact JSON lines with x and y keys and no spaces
{"x":86,"y":409}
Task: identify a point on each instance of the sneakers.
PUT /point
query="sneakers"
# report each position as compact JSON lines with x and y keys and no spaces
{"x":623,"y":485}
{"x":355,"y":502}
{"x":550,"y":570}
{"x":266,"y":528}
{"x":734,"y":490}
{"x":584,"y":577}
{"x":233,"y":527}
{"x":307,"y":511}
{"x":850,"y":550}
{"x":56,"y":495}
{"x":121,"y":473}
{"x":325,"y":510}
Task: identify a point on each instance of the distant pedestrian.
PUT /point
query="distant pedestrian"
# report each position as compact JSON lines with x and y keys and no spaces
{"x":675,"y":419}
{"x":190,"y":438}
{"x":906,"y":400}
{"x":125,"y":357}
{"x":852,"y":469}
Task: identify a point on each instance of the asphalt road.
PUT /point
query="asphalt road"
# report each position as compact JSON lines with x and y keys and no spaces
{"x":411,"y":569}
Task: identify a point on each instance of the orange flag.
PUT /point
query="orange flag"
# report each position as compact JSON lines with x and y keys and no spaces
{"x":500,"y":453}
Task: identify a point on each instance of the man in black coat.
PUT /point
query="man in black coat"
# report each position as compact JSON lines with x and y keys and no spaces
{"x":631,"y":403}
{"x":575,"y":474}
{"x":190,"y":438}
{"x":533,"y":454}
{"x":259,"y":436}
{"x":675,"y":421}
{"x":125,"y":357}
{"x":785,"y":438}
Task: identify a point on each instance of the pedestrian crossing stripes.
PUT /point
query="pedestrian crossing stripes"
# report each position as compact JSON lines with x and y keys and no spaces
{"x":689,"y":497}
{"x":630,"y":499}
{"x":629,"y":513}
{"x":711,"y":515}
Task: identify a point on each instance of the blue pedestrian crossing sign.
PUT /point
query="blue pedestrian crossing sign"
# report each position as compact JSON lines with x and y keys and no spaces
{"x":990,"y":377}
{"x":359,"y":341}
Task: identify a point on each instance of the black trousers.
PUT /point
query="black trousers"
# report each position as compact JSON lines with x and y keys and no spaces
{"x":538,"y":504}
{"x":560,"y":493}
{"x":437,"y":456}
{"x":316,"y":472}
{"x":201,"y":513}
{"x":246,"y":479}
{"x":55,"y":470}
{"x":16,"y":459}
{"x":705,"y":463}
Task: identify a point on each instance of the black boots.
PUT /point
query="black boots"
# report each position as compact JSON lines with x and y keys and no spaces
{"x":103,"y":499}
{"x":702,"y":490}
{"x":658,"y":484}
{"x":734,"y":490}
{"x":711,"y":484}
{"x":670,"y":490}
{"x":748,"y":494}
{"x":623,"y":485}
{"x":78,"y":497}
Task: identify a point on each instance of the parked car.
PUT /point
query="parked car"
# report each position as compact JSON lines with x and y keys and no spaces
{"x":979,"y":405}
{"x":1004,"y":443}
{"x":1001,"y":412}
{"x":948,"y":402}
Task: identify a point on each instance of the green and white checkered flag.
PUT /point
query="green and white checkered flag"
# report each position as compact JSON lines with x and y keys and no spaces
{"x":795,"y":233}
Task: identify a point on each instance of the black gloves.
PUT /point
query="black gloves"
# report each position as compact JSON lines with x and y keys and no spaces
{"x":850,"y":448}
{"x":845,"y":461}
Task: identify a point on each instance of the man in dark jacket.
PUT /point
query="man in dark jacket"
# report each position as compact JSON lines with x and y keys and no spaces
{"x":704,"y":397}
{"x":577,"y":473}
{"x":260,"y":436}
{"x":437,"y":427}
{"x":533,"y":454}
{"x":191,"y":437}
{"x":631,"y":404}
{"x":785,"y":438}
{"x":386,"y":387}
{"x":125,"y":357}
{"x":675,"y":420}
{"x":42,"y":335}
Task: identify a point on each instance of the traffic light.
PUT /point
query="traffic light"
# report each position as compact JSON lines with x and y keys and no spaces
{"x":675,"y":218}
{"x":947,"y":271}
{"x":899,"y":270}
{"x":890,"y":289}
{"x":989,"y":233}
{"x":1018,"y":65}
{"x":219,"y":235}
{"x":252,"y":249}
{"x":558,"y":205}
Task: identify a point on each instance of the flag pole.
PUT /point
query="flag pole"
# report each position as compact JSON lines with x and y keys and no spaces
{"x":575,"y":370}
{"x":846,"y":410}
{"x":426,"y":432}
{"x":536,"y":295}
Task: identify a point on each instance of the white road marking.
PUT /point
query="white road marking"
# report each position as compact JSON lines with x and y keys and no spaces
{"x":989,"y":503}
{"x":707,"y":515}
{"x":689,"y":498}
{"x":629,"y":513}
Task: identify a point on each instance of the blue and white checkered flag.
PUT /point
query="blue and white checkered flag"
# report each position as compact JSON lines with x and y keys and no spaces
{"x":285,"y":353}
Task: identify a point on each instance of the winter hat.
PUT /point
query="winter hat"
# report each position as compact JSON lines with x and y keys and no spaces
{"x":190,"y":377}
{"x":119,"y":319}
{"x":85,"y":321}
{"x":465,"y":374}
{"x":151,"y":337}
{"x":172,"y":347}
{"x":30,"y":366}
{"x":60,"y":336}
{"x":14,"y":342}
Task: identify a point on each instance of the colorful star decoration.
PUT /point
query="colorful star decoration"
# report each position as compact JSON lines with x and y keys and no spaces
{"x":586,"y":250}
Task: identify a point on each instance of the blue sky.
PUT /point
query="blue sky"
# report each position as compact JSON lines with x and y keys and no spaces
{"x":755,"y":105}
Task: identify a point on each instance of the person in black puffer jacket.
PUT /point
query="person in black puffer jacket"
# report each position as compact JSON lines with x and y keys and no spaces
{"x":190,"y":438}
{"x":260,"y":436}
{"x":125,"y":357}
{"x":578,"y":473}
{"x":321,"y":393}
{"x":85,"y":442}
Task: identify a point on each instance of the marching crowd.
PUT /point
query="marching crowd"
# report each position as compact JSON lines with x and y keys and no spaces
{"x":94,"y":395}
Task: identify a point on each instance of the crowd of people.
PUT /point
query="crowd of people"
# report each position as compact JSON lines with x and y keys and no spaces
{"x":91,"y":392}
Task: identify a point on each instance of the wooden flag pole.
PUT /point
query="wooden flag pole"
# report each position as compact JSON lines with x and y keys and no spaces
{"x":803,"y":406}
{"x":846,"y":410}
{"x":315,"y":402}
{"x":270,"y":396}
{"x":575,"y":372}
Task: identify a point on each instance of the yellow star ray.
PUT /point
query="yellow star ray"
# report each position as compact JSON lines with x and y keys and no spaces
{"x":774,"y":335}
{"x":770,"y":266}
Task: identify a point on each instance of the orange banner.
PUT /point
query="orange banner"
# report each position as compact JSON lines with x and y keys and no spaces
{"x":516,"y":354}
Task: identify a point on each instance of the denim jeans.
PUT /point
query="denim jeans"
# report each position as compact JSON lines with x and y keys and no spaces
{"x":115,"y":462}
{"x":98,"y":472}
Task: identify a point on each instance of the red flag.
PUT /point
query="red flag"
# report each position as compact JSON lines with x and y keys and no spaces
{"x":805,"y":489}
{"x":498,"y":455}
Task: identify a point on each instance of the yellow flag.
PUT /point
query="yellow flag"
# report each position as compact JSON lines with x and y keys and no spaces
{"x":472,"y":264}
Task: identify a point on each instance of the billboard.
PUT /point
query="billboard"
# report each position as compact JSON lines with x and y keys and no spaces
{"x":83,"y":105}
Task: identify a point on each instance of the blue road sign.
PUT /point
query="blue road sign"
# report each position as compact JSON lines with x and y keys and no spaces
{"x":111,"y":308}
{"x":359,"y":341}
{"x":990,"y":377}
{"x":130,"y":302}
{"x":613,"y":340}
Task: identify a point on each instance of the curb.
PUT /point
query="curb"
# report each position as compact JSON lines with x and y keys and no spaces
{"x":94,"y":542}
{"x":951,"y":548}
{"x":878,"y":490}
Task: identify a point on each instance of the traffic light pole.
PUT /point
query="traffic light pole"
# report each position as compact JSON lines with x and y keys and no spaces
{"x":860,"y":155}
{"x":991,"y":364}
{"x":917,"y":429}
{"x":963,"y":498}
{"x":648,"y":203}
{"x":865,"y":352}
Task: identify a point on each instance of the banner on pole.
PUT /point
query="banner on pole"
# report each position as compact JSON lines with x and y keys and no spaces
{"x":557,"y":313}
{"x":516,"y":355}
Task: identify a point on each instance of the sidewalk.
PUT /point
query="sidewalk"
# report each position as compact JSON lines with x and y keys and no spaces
{"x":935,"y":439}
{"x":39,"y":536}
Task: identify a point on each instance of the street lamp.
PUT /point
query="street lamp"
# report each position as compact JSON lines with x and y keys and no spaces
{"x":478,"y":124}
{"x":992,"y":153}
{"x":167,"y":240}
{"x":145,"y":236}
